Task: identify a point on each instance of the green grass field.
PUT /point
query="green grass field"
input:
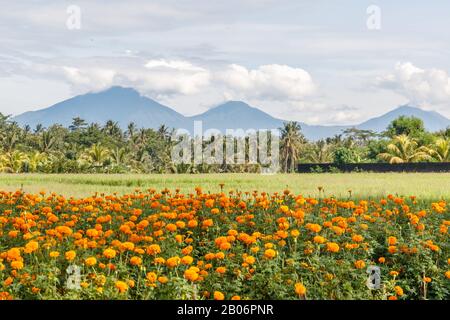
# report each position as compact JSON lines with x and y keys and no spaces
{"x":363,"y":185}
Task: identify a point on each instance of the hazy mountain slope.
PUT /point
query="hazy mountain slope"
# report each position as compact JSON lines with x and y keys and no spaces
{"x":126,"y":105}
{"x":123,"y":105}
{"x":433,"y":121}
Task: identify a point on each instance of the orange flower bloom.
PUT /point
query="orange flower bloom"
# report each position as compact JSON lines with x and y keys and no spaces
{"x":121,"y":286}
{"x":70,"y":255}
{"x":300,"y":289}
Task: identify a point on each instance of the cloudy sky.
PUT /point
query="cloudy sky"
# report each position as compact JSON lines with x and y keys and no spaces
{"x":321,"y":62}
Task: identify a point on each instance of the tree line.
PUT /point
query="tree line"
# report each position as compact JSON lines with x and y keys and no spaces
{"x":93,"y":148}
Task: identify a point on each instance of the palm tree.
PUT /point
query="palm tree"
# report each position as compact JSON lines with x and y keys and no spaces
{"x":290,"y":145}
{"x":46,"y":141}
{"x":441,"y":150}
{"x":97,"y":155}
{"x":118,"y":156}
{"x":131,"y":130}
{"x":13,"y":161}
{"x":319,"y":152}
{"x":35,"y":160}
{"x":404,"y":149}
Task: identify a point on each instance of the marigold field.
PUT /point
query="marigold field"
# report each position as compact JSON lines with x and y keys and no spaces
{"x":227,"y":245}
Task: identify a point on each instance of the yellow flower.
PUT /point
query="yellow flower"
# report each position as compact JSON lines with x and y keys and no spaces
{"x":300,"y":289}
{"x":163,"y":279}
{"x":191,"y":274}
{"x":109,"y":253}
{"x":70,"y":255}
{"x":270,"y":253}
{"x":151,"y":277}
{"x":319,"y":239}
{"x":359,"y":264}
{"x":250,"y":260}
{"x":17,"y":264}
{"x":54,"y":254}
{"x":153,"y":249}
{"x":187,"y":260}
{"x":135,"y":261}
{"x":173,"y":262}
{"x":31,"y":246}
{"x":121,"y":286}
{"x":332,"y":247}
{"x":91,"y":261}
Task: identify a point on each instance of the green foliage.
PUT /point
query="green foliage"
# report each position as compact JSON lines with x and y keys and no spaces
{"x":410,"y":126}
{"x":345,"y":155}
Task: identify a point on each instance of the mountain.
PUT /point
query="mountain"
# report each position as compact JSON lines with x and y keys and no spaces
{"x":126,"y":105}
{"x":432,"y":120}
{"x":123,"y":105}
{"x":236,"y":114}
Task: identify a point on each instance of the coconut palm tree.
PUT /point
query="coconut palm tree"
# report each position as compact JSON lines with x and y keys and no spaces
{"x":290,"y":144}
{"x":319,"y":152}
{"x":97,"y":155}
{"x":46,"y":141}
{"x":35,"y":160}
{"x":405,"y":149}
{"x":440,"y":150}
{"x":13,"y":161}
{"x":118,"y":156}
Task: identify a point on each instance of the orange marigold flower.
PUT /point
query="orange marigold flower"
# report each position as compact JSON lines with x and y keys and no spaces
{"x":359,"y":264}
{"x":31,"y":246}
{"x":153,"y":249}
{"x":136,"y":261}
{"x":187,"y":260}
{"x":300,"y":289}
{"x":109,"y":253}
{"x":218,"y":295}
{"x":319,"y":239}
{"x":121,"y":286}
{"x":249,"y":259}
{"x":270,"y":253}
{"x":392,"y":241}
{"x":70,"y":255}
{"x":191,"y":274}
{"x":398,"y":291}
{"x":332,"y":247}
{"x":17,"y":264}
{"x":91,"y":261}
{"x":221,"y":270}
{"x":152,"y":277}
{"x":173,"y":262}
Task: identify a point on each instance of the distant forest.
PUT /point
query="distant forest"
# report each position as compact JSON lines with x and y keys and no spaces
{"x":92,"y":148}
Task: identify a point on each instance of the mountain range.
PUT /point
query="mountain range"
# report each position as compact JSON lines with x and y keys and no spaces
{"x":126,"y":105}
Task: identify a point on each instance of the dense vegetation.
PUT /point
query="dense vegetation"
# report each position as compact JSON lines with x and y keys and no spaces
{"x":225,"y":245}
{"x":93,"y":148}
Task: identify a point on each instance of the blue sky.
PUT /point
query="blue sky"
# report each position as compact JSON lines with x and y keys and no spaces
{"x":313,"y":61}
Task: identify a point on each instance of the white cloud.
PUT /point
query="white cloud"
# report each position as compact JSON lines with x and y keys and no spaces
{"x":271,"y":82}
{"x":163,"y":78}
{"x":421,"y":86}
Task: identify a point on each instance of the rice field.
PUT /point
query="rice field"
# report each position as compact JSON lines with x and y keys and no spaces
{"x":359,"y":185}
